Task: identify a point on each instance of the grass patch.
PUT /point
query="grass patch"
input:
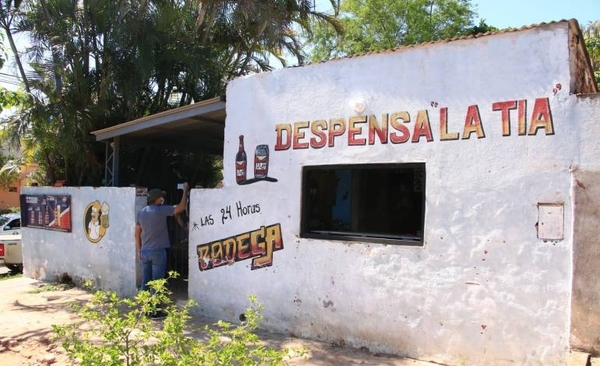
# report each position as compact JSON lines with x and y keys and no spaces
{"x":10,"y":275}
{"x":63,"y":282}
{"x":49,"y":287}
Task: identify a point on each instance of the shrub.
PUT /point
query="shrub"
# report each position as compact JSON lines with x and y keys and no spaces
{"x":121,"y":333}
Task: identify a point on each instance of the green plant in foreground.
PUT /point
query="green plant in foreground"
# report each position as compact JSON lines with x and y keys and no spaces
{"x":119,"y":332}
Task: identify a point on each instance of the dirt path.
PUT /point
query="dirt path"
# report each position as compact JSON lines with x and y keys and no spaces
{"x":29,"y":308}
{"x":27,"y":313}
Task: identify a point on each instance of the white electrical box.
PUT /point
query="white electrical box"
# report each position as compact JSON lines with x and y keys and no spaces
{"x":551,"y":221}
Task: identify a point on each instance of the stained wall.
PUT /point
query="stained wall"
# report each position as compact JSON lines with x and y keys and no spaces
{"x":499,"y":133}
{"x":104,"y":254}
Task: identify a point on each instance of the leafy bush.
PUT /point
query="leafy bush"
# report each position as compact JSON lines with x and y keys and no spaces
{"x":120,"y":332}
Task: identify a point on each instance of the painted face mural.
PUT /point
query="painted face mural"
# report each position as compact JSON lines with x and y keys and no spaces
{"x":96,"y":221}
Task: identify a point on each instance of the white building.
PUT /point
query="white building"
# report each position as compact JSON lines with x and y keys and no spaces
{"x":436,"y":201}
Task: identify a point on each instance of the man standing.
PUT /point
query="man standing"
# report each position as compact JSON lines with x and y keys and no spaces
{"x":152,"y":236}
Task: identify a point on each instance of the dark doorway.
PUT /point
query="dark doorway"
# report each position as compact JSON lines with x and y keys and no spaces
{"x":178,"y":252}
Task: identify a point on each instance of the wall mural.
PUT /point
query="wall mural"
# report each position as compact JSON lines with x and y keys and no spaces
{"x":261,"y":165}
{"x":258,"y":245}
{"x":96,"y":221}
{"x":360,"y":130}
{"x":391,"y":128}
{"x":52,"y":212}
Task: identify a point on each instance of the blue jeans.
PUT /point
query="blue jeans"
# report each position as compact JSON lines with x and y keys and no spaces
{"x":154,"y":265}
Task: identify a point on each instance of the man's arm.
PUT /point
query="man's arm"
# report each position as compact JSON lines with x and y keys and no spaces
{"x":181,"y":205}
{"x":138,"y":238}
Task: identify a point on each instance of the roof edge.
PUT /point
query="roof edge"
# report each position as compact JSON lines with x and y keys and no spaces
{"x":580,"y":66}
{"x":446,"y":40}
{"x":185,"y":108}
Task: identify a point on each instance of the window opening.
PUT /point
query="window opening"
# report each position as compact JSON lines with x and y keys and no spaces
{"x":371,"y":203}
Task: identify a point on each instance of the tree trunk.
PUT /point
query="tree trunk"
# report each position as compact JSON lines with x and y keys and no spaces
{"x":13,"y":48}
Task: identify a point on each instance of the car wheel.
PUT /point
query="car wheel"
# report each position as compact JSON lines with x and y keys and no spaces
{"x":15,"y":268}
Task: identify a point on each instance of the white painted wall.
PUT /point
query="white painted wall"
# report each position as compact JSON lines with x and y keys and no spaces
{"x":111,"y":262}
{"x":483,"y":289}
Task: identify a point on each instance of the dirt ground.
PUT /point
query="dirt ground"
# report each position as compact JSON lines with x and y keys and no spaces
{"x":29,"y":308}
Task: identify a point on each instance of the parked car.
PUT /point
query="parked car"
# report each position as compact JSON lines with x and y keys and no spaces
{"x":10,"y":241}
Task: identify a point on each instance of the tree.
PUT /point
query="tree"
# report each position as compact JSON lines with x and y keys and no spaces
{"x":9,"y":173}
{"x":591,"y":34}
{"x":98,"y":63}
{"x":10,"y":98}
{"x":482,"y":27}
{"x":8,"y":13}
{"x":372,"y":25}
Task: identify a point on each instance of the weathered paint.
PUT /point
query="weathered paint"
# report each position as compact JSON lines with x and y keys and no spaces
{"x":499,"y":133}
{"x":109,"y":261}
{"x":258,"y":245}
{"x":585,"y":304}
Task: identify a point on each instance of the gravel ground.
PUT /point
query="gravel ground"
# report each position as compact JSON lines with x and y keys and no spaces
{"x":28,"y":309}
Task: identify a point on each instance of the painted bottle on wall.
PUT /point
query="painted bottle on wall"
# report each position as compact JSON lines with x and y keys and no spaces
{"x":57,"y":216}
{"x":261,"y":161}
{"x":240,"y":163}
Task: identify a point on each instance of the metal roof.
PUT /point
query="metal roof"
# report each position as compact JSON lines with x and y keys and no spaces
{"x":195,"y":127}
{"x":200,"y":126}
{"x":582,"y":75}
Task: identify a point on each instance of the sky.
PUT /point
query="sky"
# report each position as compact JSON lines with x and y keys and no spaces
{"x":498,"y":13}
{"x":517,"y":13}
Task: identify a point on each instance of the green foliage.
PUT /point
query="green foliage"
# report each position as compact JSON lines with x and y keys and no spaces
{"x":63,"y":282}
{"x":10,"y":275}
{"x":372,"y":25}
{"x":175,"y":166}
{"x":10,"y":166}
{"x":96,"y":64}
{"x":119,"y":332}
{"x":482,"y":27}
{"x":9,"y":171}
{"x":591,"y":35}
{"x":10,"y":210}
{"x":10,"y":98}
{"x":50,"y":287}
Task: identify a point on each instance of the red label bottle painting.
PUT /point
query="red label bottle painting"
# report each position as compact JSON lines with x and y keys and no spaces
{"x":261,"y":161}
{"x":260,"y":165}
{"x":240,"y":163}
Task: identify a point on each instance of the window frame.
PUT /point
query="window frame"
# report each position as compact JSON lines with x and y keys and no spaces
{"x":357,"y":236}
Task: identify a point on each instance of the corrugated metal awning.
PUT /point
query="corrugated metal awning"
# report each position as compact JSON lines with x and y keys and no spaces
{"x":198,"y":127}
{"x":195,"y":127}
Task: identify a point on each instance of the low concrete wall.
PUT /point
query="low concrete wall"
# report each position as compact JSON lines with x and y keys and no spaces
{"x":491,"y":284}
{"x":493,"y":123}
{"x":109,"y":260}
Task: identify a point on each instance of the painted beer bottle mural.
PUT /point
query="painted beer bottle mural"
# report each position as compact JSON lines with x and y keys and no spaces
{"x":240,"y":163}
{"x":261,"y":165}
{"x":261,"y":161}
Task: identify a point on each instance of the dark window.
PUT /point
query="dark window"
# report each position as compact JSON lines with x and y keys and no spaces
{"x":383,"y":203}
{"x":14,"y":224}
